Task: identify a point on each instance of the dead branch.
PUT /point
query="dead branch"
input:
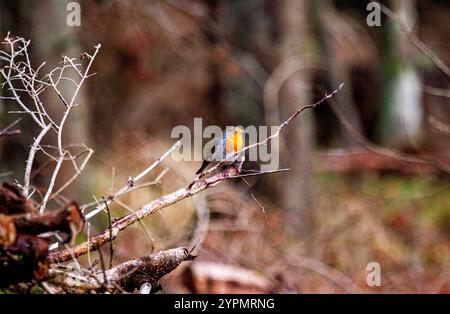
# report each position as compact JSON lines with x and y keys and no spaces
{"x":23,"y":261}
{"x":131,"y":182}
{"x":23,"y":252}
{"x":71,"y":104}
{"x":13,"y":202}
{"x":111,"y":248}
{"x":127,"y":187}
{"x":97,"y":241}
{"x":416,"y":41}
{"x":199,"y":184}
{"x":251,"y":173}
{"x":148,"y":269}
{"x":69,"y":220}
{"x":326,"y":271}
{"x":407,"y":158}
{"x":26,"y":85}
{"x":7,"y":132}
{"x":8,"y":232}
{"x":127,"y":276}
{"x":356,"y":160}
{"x":440,"y":126}
{"x":272,"y":136}
{"x":436,"y":91}
{"x":30,"y":159}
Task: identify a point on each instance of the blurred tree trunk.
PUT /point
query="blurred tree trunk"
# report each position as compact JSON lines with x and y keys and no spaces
{"x":434,"y":30}
{"x":44,"y":22}
{"x":402,"y":112}
{"x":13,"y":17}
{"x":297,"y":191}
{"x":50,"y":38}
{"x":338,"y":71}
{"x":213,"y":22}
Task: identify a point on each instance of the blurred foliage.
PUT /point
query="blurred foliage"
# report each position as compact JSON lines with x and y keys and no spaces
{"x":162,"y":65}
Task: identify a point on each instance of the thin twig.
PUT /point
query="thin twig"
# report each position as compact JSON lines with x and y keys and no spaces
{"x":198,"y":185}
{"x":144,"y":227}
{"x":274,"y":135}
{"x":78,"y":171}
{"x":111,"y":249}
{"x":24,"y":82}
{"x":436,"y":91}
{"x":30,"y":159}
{"x":132,"y":181}
{"x":416,"y":41}
{"x":102,"y":265}
{"x":62,"y":151}
{"x":326,"y":271}
{"x":51,"y":184}
{"x":254,"y":197}
{"x":7,"y":132}
{"x":382,"y":150}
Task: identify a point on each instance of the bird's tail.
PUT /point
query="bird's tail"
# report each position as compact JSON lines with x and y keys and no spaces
{"x":204,"y":165}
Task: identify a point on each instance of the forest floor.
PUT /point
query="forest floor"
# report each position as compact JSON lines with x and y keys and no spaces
{"x":400,"y":222}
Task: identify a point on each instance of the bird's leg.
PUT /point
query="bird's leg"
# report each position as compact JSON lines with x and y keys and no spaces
{"x":239,"y":163}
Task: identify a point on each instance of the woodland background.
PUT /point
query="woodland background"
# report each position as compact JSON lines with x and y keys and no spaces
{"x":345,"y":203}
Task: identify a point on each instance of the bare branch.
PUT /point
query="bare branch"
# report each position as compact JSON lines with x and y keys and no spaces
{"x":7,"y":132}
{"x":436,"y":91}
{"x":111,"y":249}
{"x":424,"y":160}
{"x":52,"y":183}
{"x":30,"y":159}
{"x":326,"y":271}
{"x":25,"y":83}
{"x":272,"y":136}
{"x":199,"y":184}
{"x":132,"y":181}
{"x":416,"y":41}
{"x":78,"y":171}
{"x":127,"y":276}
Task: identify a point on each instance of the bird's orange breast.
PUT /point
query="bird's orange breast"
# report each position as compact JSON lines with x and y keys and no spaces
{"x":234,"y":143}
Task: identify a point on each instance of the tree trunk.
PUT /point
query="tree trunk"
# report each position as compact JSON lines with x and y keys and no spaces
{"x":50,"y":38}
{"x":297,"y":190}
{"x":402,"y":113}
{"x":337,"y":70}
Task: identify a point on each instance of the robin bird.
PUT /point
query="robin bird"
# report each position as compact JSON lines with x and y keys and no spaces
{"x":231,"y":142}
